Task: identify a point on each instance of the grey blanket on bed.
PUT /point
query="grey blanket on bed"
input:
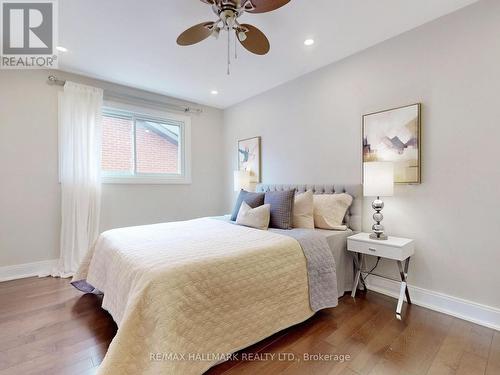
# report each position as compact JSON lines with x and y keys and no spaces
{"x":321,"y":272}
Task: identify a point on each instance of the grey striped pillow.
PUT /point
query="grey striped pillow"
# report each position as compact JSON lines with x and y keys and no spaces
{"x":281,"y":208}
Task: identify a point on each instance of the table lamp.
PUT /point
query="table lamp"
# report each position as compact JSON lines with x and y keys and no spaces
{"x":378,"y":182}
{"x":241,"y":180}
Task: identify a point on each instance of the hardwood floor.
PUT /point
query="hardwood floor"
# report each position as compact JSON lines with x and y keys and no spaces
{"x":48,"y":327}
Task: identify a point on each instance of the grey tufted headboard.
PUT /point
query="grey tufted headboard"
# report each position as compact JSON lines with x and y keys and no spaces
{"x":353,"y":215}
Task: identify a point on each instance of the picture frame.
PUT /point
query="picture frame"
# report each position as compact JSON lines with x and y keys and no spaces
{"x":394,"y":135}
{"x":249,"y":157}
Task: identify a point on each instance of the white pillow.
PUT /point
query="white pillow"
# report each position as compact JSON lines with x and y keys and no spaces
{"x":303,"y":211}
{"x":257,"y":217}
{"x":330,"y":210}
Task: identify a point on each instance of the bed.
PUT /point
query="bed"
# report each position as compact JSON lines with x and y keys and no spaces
{"x":186,"y":295}
{"x":337,"y":240}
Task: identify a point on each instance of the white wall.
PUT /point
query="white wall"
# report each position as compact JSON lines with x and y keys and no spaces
{"x":311,"y":133}
{"x":29,"y":188}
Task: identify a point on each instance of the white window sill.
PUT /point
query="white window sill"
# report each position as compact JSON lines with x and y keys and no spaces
{"x":147,"y":180}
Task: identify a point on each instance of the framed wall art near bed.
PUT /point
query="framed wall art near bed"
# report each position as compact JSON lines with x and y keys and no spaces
{"x":249,"y":158}
{"x":395,"y":135}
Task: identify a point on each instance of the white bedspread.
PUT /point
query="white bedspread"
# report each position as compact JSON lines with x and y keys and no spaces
{"x":184,"y":294}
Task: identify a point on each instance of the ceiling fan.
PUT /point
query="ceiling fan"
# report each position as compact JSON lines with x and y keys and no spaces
{"x":228,"y":11}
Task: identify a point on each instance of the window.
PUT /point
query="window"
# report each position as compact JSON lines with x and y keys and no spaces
{"x":144,"y":146}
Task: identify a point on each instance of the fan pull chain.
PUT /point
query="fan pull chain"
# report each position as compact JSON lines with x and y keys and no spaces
{"x":228,"y":52}
{"x":236,"y":46}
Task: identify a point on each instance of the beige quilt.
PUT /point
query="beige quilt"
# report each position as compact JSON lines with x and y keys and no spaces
{"x":186,"y":294}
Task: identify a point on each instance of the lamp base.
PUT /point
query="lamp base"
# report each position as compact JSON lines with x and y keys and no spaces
{"x":375,"y":236}
{"x":377,"y":228}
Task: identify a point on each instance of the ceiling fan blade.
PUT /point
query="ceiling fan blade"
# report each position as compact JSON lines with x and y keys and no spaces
{"x":263,"y":6}
{"x":195,"y":34}
{"x":255,"y":41}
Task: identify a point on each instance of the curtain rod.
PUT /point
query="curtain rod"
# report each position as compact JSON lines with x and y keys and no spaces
{"x":55,"y":81}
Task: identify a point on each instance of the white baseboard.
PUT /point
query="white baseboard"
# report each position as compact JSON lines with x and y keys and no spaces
{"x":20,"y":271}
{"x":467,"y":310}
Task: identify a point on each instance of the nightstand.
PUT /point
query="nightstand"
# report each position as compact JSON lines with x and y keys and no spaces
{"x":397,"y":249}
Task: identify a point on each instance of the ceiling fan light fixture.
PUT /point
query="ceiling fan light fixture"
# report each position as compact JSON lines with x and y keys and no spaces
{"x":228,"y":17}
{"x":216,"y":32}
{"x":227,"y":13}
{"x":309,"y":42}
{"x":214,"y":92}
{"x":242,"y":36}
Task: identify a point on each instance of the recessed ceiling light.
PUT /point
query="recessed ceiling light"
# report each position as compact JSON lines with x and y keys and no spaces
{"x":214,"y":92}
{"x":309,"y":42}
{"x":61,"y":49}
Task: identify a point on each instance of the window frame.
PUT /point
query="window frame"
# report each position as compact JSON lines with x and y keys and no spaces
{"x":160,"y":116}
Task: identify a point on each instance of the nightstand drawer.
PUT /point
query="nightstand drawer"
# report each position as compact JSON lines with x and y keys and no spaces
{"x":380,"y":249}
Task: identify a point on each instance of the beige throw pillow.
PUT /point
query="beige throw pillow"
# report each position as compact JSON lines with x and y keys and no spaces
{"x":254,"y":217}
{"x":330,"y":210}
{"x":303,"y":211}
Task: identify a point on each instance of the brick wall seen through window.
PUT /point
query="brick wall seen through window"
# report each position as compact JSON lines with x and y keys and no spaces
{"x":156,"y":146}
{"x":117,"y":144}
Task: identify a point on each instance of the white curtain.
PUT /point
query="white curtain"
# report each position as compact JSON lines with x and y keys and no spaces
{"x":80,"y":115}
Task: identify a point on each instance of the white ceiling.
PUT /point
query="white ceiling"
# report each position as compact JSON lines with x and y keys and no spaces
{"x":132,"y":42}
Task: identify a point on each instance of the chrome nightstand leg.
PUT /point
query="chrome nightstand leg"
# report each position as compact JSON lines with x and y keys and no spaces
{"x":407,"y":264}
{"x":403,"y":271}
{"x":357,"y":264}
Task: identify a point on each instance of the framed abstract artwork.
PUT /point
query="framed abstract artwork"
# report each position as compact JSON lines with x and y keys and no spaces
{"x":394,"y":135}
{"x":249,"y":157}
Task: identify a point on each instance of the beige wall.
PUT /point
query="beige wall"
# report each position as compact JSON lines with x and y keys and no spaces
{"x":311,"y":133}
{"x":29,"y":188}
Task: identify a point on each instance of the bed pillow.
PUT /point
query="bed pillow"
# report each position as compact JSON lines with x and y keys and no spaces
{"x":303,"y":210}
{"x":252,"y":199}
{"x":330,"y":210}
{"x":281,"y":208}
{"x":254,"y":217}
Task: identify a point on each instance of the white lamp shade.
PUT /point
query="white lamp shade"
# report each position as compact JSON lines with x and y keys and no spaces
{"x":378,"y":179}
{"x":241,"y":180}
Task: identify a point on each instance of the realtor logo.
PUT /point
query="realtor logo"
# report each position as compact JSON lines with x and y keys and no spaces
{"x":28,"y":34}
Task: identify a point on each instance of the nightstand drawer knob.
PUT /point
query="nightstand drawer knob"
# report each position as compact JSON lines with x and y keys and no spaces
{"x":372,"y":249}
